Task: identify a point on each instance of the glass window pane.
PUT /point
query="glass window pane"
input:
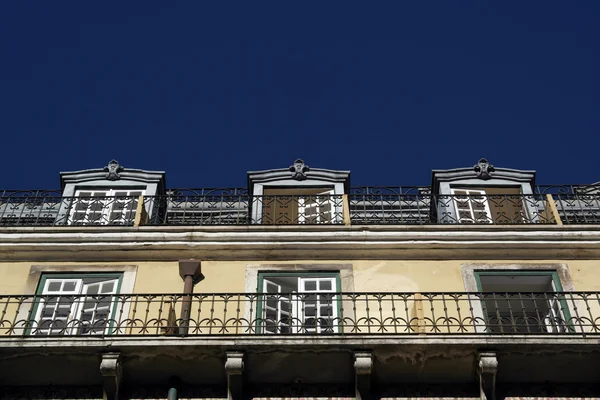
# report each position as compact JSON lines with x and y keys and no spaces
{"x":96,"y":206}
{"x":54,"y":286}
{"x":310,"y":285}
{"x":310,"y":311}
{"x":69,"y":286}
{"x":92,"y":289}
{"x":325,"y":285}
{"x":108,"y":287}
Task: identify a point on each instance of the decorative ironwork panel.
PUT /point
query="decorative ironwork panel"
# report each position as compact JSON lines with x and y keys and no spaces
{"x":366,"y":206}
{"x":390,"y":190}
{"x":556,"y":313}
{"x":241,"y":209}
{"x":55,"y":210}
{"x":30,"y":193}
{"x":463,"y":207}
{"x":197,"y":210}
{"x":214,"y":192}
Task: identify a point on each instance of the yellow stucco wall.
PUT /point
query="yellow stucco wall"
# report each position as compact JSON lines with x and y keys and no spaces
{"x":377,"y":275}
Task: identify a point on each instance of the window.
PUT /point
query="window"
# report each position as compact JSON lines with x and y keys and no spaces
{"x":75,"y":305}
{"x":316,"y":209}
{"x":299,"y":206}
{"x":298,"y":303}
{"x":471,"y":206}
{"x":104,"y":207}
{"x":497,"y":205}
{"x":523,"y":302}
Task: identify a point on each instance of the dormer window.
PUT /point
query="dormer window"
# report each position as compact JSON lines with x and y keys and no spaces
{"x":484,"y":194}
{"x":107,"y":196}
{"x":297,"y":195}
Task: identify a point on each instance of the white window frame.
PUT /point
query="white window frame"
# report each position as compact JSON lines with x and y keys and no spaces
{"x":298,"y":300}
{"x":304,"y":203}
{"x":77,"y":297}
{"x":471,"y":210}
{"x":107,"y":200}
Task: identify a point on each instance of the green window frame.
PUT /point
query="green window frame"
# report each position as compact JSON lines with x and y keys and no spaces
{"x":78,"y":300}
{"x":563,"y":314}
{"x":291,"y":311}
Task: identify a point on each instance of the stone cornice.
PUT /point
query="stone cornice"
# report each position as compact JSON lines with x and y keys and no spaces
{"x":524,"y":343}
{"x":279,"y":243}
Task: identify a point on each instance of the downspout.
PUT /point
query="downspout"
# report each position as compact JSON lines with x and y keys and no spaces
{"x":191,"y":273}
{"x":174,"y":383}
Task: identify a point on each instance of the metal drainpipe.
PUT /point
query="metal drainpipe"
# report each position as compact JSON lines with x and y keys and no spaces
{"x":174,"y":382}
{"x":190,"y":272}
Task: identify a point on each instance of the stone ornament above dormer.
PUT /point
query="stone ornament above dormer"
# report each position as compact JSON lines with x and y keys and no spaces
{"x":299,"y":170}
{"x":484,"y":169}
{"x":483,"y":173}
{"x":298,"y":175}
{"x":112,"y":170}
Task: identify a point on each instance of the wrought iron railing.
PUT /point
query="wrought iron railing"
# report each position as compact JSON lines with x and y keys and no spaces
{"x":458,"y":208}
{"x":226,"y":209}
{"x":548,"y":313}
{"x":363,"y":206}
{"x":50,"y":210}
{"x":575,"y":204}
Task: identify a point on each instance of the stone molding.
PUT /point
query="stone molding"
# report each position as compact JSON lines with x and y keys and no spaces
{"x":363,"y":363}
{"x":111,"y":371}
{"x":234,"y":363}
{"x":487,"y":368}
{"x":318,"y":244}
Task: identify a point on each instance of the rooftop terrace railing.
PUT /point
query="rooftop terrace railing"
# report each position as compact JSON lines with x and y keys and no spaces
{"x":362,"y":206}
{"x":545,"y":313}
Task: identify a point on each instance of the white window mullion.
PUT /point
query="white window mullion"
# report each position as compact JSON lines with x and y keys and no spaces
{"x":96,"y":307}
{"x":271,"y":313}
{"x":464,"y":203}
{"x":319,"y":310}
{"x":104,"y":207}
{"x":57,"y":306}
{"x":316,"y":208}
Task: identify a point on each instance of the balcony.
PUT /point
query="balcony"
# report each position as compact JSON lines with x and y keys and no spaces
{"x":302,"y":344}
{"x":362,"y":206}
{"x":301,"y":314}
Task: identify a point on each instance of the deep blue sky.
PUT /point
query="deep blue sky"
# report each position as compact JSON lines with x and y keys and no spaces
{"x":389,"y":91}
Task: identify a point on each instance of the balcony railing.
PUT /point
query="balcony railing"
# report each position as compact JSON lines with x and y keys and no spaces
{"x":547,"y":313}
{"x":363,"y":206}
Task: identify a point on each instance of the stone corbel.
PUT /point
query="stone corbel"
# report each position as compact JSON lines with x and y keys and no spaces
{"x":234,"y":368}
{"x":363,"y":367}
{"x":487,"y":369}
{"x":110,"y":368}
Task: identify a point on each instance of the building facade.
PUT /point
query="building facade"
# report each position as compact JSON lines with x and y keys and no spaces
{"x":482,"y":285}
